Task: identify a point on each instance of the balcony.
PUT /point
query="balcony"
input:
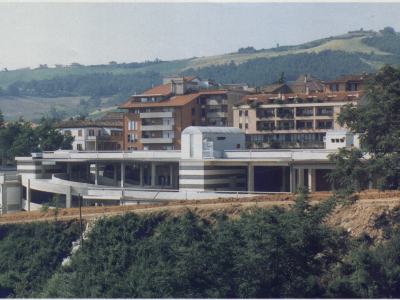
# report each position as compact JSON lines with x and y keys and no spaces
{"x":156,"y":127}
{"x":217,"y":102}
{"x":152,"y":115}
{"x":300,"y":114}
{"x":98,"y":138}
{"x":157,"y":140}
{"x":326,"y":114}
{"x":217,"y":115}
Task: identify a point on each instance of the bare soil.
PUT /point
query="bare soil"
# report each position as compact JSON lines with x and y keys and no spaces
{"x":371,"y":214}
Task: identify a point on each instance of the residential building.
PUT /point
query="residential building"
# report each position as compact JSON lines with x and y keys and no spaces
{"x":113,"y":117}
{"x":307,"y":83}
{"x":94,"y":135}
{"x":296,"y":120}
{"x":347,"y":83}
{"x":156,"y":118}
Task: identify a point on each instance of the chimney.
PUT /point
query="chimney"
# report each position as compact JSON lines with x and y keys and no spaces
{"x":307,"y":90}
{"x":305,"y":78}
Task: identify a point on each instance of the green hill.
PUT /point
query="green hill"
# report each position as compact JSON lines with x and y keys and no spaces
{"x":109,"y":86}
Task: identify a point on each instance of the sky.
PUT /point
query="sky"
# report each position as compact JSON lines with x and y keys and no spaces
{"x":96,"y":33}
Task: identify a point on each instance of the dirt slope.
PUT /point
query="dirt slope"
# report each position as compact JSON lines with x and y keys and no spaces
{"x":373,"y":213}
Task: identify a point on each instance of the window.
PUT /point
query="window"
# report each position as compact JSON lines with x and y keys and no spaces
{"x":247,"y":126}
{"x":137,"y":111}
{"x":352,"y":87}
{"x":221,"y":138}
{"x":240,"y":125}
{"x":334,"y":87}
{"x":238,"y":146}
{"x":246,"y":113}
{"x":240,"y":113}
{"x":132,"y":137}
{"x":67,"y":132}
{"x":79,"y":147}
{"x":193,"y":111}
{"x":193,"y":122}
{"x":342,"y":140}
{"x":91,"y":132}
{"x":80,"y":132}
{"x":132,"y":125}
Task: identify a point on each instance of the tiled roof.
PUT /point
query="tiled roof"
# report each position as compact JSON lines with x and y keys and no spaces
{"x":272,"y":87}
{"x":112,"y":116}
{"x":333,"y":96}
{"x":314,"y":84}
{"x":357,"y":77}
{"x":189,"y":78}
{"x":159,"y":90}
{"x":87,"y":123}
{"x":176,"y":100}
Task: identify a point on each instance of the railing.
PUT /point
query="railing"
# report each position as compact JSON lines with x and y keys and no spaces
{"x":330,"y":114}
{"x":212,"y":153}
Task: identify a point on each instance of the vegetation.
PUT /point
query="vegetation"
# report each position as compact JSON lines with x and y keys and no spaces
{"x":30,"y":254}
{"x":267,"y":253}
{"x":263,"y":71}
{"x":379,"y":120}
{"x":21,"y":139}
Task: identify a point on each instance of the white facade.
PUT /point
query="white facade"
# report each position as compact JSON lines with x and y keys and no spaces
{"x":86,"y":138}
{"x":339,"y":138}
{"x":202,"y":142}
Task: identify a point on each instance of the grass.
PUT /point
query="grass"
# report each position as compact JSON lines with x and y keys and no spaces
{"x":9,"y":77}
{"x":349,"y":45}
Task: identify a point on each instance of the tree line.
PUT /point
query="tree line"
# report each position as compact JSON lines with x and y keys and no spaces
{"x":266,"y":253}
{"x":325,"y":65}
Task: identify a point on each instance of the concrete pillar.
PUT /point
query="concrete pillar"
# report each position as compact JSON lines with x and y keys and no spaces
{"x":291,"y":180}
{"x":115,"y":175}
{"x":68,"y":196}
{"x":28,"y":194}
{"x":153,"y":174}
{"x":311,"y":180}
{"x":171,"y":175}
{"x":301,"y":177}
{"x":87,"y":171}
{"x":96,"y":173}
{"x":69,"y":171}
{"x":141,"y":175}
{"x":43,"y":172}
{"x":122,"y":174}
{"x":250,"y":178}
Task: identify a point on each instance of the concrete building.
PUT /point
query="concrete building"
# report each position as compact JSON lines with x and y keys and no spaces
{"x":156,"y":118}
{"x":93,"y":135}
{"x":296,"y":120}
{"x":211,"y":164}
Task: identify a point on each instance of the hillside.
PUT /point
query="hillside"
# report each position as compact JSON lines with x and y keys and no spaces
{"x":373,"y":214}
{"x":274,"y":246}
{"x":109,"y":86}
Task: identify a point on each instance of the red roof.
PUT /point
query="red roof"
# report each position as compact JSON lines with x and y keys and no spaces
{"x":332,"y":96}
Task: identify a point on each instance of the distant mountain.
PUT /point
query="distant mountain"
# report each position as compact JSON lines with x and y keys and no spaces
{"x":325,"y":59}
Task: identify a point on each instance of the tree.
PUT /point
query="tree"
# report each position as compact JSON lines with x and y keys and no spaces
{"x":21,"y":140}
{"x":379,"y":121}
{"x":2,"y":125}
{"x":388,"y":31}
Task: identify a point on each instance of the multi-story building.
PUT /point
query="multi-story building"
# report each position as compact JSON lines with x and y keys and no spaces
{"x":298,"y":119}
{"x":347,"y":83}
{"x":93,"y":135}
{"x":156,"y":118}
{"x":302,"y":120}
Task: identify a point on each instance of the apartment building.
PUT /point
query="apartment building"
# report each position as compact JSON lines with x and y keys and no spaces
{"x":298,"y":119}
{"x":349,"y":83}
{"x":93,"y":135}
{"x":156,"y":118}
